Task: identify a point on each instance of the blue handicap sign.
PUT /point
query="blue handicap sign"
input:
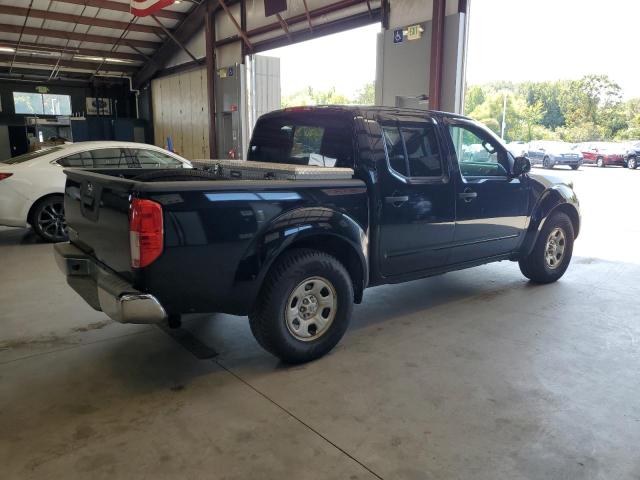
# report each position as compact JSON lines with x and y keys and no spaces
{"x":230,"y":72}
{"x":398,"y":36}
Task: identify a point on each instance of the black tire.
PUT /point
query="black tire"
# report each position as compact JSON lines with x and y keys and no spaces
{"x":632,"y":163}
{"x":535,"y":266}
{"x":47,"y":219}
{"x":600,"y":162}
{"x":268,"y":319}
{"x":175,"y":175}
{"x":546,"y":162}
{"x":575,"y":167}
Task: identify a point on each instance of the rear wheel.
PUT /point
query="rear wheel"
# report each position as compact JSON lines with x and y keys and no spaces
{"x":575,"y":167}
{"x":47,"y":219}
{"x":600,"y":162}
{"x":632,"y":163}
{"x":305,"y":306}
{"x":552,"y":252}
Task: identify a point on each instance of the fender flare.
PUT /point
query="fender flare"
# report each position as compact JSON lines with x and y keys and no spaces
{"x":556,"y":198}
{"x":322,"y":226}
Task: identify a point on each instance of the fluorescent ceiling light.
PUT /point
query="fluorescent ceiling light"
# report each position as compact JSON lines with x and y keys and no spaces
{"x":101,"y":59}
{"x":7,"y":49}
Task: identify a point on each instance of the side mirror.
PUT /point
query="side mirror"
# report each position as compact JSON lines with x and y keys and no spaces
{"x":521,"y":165}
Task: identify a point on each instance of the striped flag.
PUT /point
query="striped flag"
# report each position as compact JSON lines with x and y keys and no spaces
{"x":142,"y":8}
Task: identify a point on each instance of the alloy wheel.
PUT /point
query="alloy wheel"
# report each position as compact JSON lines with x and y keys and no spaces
{"x":554,"y":249}
{"x":51,"y":221}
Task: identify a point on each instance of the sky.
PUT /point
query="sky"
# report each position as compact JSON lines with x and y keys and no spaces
{"x":536,"y":40}
{"x":345,"y":60}
{"x":514,"y":40}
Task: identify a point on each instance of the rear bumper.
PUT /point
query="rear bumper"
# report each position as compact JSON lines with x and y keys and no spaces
{"x":104,"y":290}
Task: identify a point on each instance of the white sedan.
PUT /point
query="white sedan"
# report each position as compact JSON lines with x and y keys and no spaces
{"x":32,"y":185}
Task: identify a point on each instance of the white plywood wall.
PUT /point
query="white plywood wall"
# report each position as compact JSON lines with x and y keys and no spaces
{"x":180,"y":111}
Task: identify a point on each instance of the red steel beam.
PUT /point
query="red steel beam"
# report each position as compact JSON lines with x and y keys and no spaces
{"x":121,"y":7}
{"x":82,"y":37}
{"x":76,"y":19}
{"x":212,"y":76}
{"x":437,"y":47}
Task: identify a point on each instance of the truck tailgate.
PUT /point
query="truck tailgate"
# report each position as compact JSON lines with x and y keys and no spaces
{"x":97,"y":216}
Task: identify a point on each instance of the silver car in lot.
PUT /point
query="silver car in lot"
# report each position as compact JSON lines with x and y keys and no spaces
{"x":551,"y":153}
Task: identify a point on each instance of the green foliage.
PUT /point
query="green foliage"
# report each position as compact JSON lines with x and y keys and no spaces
{"x":311,"y":96}
{"x":367,"y":94}
{"x":590,"y":108}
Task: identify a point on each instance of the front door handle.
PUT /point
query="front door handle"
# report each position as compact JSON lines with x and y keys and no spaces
{"x":468,"y":195}
{"x":396,"y":201}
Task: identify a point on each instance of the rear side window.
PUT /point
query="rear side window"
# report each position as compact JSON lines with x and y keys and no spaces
{"x":152,"y":158}
{"x":413,"y":151}
{"x":303,"y":140}
{"x":111,"y":158}
{"x":82,"y":160}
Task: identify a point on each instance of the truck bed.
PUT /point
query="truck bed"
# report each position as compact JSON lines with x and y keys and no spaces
{"x":217,"y":231}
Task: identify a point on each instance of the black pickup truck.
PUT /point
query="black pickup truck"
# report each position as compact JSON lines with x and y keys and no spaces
{"x":295,"y":255}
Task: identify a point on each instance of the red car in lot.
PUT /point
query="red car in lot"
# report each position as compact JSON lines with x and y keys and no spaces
{"x":603,"y":154}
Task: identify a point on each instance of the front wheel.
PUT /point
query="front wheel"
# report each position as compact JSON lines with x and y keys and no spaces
{"x":304,"y":307}
{"x":632,"y":163}
{"x":546,"y":162}
{"x":600,"y":162}
{"x":575,"y":167}
{"x":48,"y":220}
{"x":552,"y":252}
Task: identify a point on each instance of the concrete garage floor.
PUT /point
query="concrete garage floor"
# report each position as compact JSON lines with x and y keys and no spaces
{"x":472,"y":375}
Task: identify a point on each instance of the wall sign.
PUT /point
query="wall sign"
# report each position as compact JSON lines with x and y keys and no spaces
{"x":42,"y":89}
{"x":98,"y":106}
{"x":398,"y":35}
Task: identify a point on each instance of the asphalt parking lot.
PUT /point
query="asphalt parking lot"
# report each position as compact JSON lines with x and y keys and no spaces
{"x":474,"y":374}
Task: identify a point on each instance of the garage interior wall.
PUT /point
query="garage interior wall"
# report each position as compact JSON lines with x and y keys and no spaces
{"x":180,"y":111}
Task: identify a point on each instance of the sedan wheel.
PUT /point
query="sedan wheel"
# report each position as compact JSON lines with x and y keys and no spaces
{"x":546,"y":162}
{"x":48,"y":219}
{"x":632,"y":163}
{"x":600,"y":162}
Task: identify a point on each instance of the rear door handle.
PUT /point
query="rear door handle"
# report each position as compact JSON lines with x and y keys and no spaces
{"x":468,"y":195}
{"x":397,"y":200}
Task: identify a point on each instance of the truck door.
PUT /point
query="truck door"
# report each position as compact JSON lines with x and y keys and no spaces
{"x":491,"y":206}
{"x":416,"y":216}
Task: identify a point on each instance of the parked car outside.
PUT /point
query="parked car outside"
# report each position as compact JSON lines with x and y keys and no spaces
{"x":294,"y":254}
{"x":603,"y":154}
{"x":551,"y":153}
{"x":32,"y":185}
{"x":632,"y":154}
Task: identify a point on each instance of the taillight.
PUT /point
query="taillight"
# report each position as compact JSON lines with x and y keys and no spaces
{"x":5,"y":175}
{"x":145,"y":232}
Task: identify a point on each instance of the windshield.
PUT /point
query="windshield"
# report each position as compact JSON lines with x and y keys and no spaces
{"x":30,"y":155}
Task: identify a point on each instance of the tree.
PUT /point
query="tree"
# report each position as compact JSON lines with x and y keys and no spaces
{"x":366,"y":95}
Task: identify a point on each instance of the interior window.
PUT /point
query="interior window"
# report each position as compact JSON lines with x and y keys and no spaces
{"x":478,"y":154}
{"x":413,"y":151}
{"x":395,"y":150}
{"x":152,"y":158}
{"x":324,"y":142}
{"x":422,"y":152}
{"x":82,"y":160}
{"x":111,"y":158}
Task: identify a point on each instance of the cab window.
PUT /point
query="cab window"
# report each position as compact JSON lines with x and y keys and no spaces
{"x":479,"y":155}
{"x":310,"y":140}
